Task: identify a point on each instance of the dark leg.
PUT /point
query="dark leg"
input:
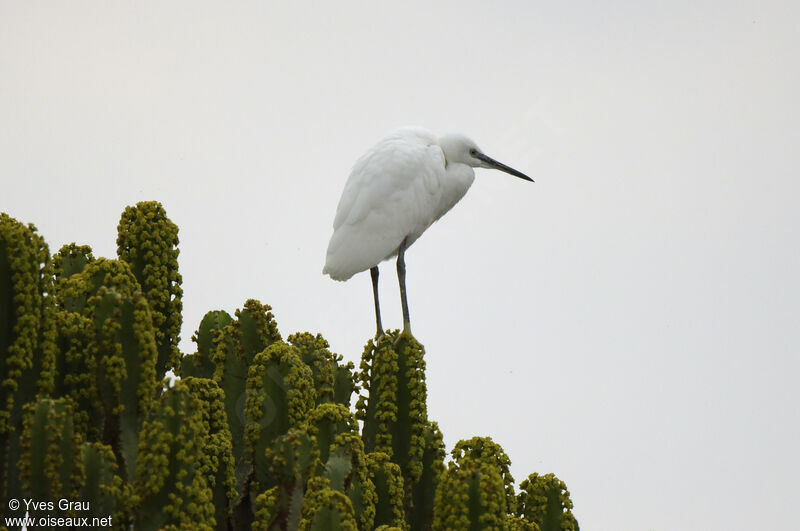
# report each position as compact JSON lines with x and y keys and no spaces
{"x":401,"y":276}
{"x":374,"y":272}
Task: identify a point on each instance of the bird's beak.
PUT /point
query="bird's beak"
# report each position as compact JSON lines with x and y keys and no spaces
{"x":491,"y":163}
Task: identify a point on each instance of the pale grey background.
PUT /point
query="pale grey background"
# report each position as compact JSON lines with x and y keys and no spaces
{"x":629,"y":322}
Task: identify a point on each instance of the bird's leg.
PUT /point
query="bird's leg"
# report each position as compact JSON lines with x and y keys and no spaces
{"x":374,"y":272}
{"x":401,"y":277}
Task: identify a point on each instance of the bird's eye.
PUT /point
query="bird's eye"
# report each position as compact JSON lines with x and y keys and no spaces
{"x":472,"y":152}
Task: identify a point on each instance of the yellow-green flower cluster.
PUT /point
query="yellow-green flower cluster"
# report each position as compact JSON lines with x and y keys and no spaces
{"x":517,"y":523}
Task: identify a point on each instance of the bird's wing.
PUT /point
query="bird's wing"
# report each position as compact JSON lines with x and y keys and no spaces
{"x":391,"y":194}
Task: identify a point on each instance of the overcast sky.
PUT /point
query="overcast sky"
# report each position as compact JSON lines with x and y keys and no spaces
{"x":629,"y":322}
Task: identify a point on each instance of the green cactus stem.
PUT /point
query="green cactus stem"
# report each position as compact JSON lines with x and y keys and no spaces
{"x":50,"y":464}
{"x":102,"y":487}
{"x":326,"y":509}
{"x":70,"y":260}
{"x":148,"y":241}
{"x":545,"y":500}
{"x":72,"y":375}
{"x":172,"y":482}
{"x":291,"y":463}
{"x":344,"y":382}
{"x":333,"y":380}
{"x":201,"y":364}
{"x":348,"y":472}
{"x":325,"y":422}
{"x":27,"y":338}
{"x":120,"y":354}
{"x":314,"y":353}
{"x":470,"y":497}
{"x":389,"y":491}
{"x":485,"y":449}
{"x":424,"y":490}
{"x":267,"y":512}
{"x":280,"y":394}
{"x":394,"y":412}
{"x":217,"y":463}
{"x":236,"y":345}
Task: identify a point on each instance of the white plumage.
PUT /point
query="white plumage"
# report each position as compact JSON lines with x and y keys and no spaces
{"x":395,"y":191}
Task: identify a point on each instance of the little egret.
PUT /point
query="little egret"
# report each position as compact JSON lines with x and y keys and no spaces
{"x":395,"y":191}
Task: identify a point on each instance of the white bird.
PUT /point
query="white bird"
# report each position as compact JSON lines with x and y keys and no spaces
{"x":395,"y":191}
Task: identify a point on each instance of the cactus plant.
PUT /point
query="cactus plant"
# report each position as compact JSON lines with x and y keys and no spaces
{"x":172,"y":483}
{"x":333,"y":380}
{"x":470,"y":496}
{"x":27,"y":338}
{"x":102,"y":486}
{"x":280,"y":394}
{"x":389,"y":491}
{"x":256,"y":433}
{"x":252,"y":331}
{"x":545,"y":501}
{"x":201,"y":364}
{"x":348,"y":472}
{"x":290,"y":463}
{"x":424,"y":490}
{"x":216,"y":451}
{"x":70,"y":260}
{"x":485,"y":449}
{"x":313,"y":350}
{"x":325,"y":422}
{"x":394,"y":411}
{"x":120,"y":354}
{"x":72,"y":375}
{"x":326,"y":509}
{"x":148,"y":241}
{"x":50,"y":464}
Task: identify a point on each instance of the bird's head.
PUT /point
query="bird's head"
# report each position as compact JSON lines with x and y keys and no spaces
{"x":460,"y":149}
